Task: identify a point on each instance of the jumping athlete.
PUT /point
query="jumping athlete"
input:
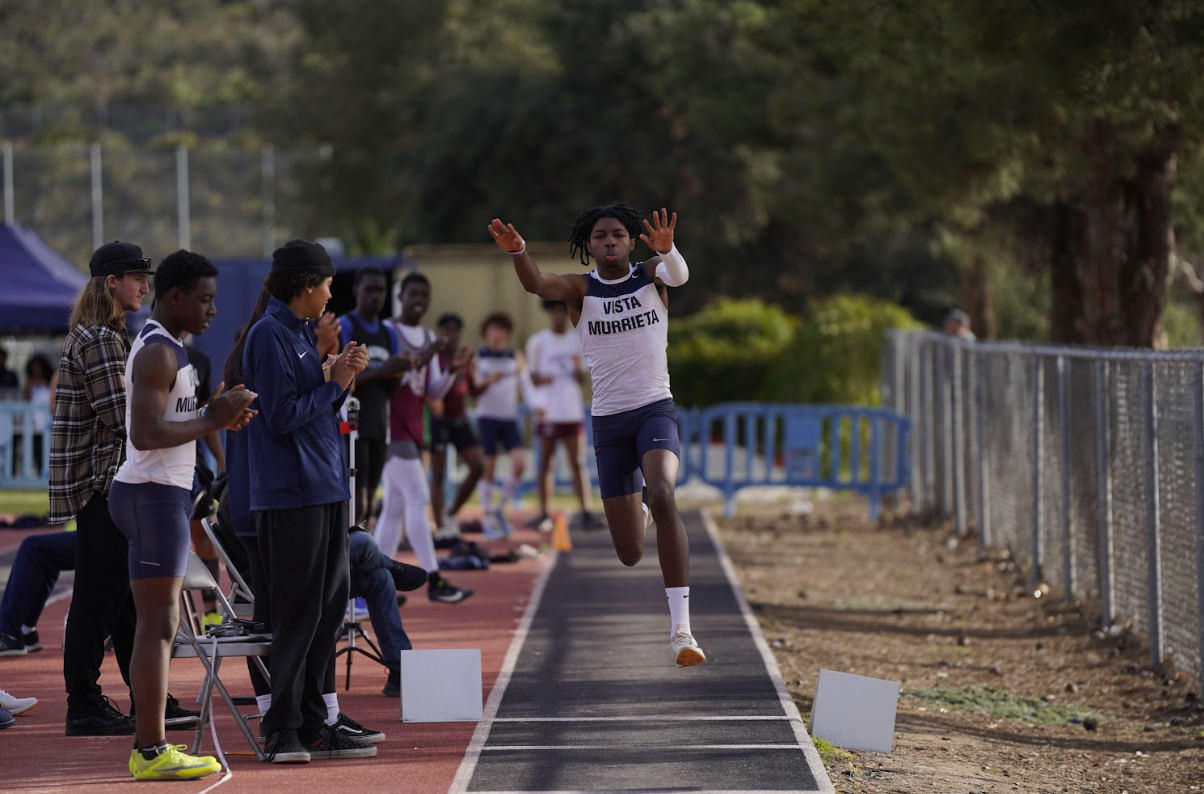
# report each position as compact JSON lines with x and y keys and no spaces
{"x":151,"y":501}
{"x":621,"y":314}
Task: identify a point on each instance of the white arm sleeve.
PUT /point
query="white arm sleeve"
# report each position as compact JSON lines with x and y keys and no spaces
{"x":439,"y":381}
{"x":672,"y":269}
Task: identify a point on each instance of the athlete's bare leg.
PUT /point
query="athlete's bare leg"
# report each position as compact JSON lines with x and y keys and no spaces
{"x":157,"y":601}
{"x":476,"y":468}
{"x":626,"y":520}
{"x":438,"y":475}
{"x":547,"y":454}
{"x":575,"y":451}
{"x":660,"y":467}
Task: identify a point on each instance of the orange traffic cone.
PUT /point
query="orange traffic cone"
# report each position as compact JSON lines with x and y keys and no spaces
{"x":560,"y":534}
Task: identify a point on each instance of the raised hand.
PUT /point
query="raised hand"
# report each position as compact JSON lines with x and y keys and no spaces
{"x":230,"y":409}
{"x":507,"y":237}
{"x":660,"y":232}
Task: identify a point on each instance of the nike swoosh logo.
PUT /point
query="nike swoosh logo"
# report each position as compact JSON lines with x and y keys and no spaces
{"x":302,"y":355}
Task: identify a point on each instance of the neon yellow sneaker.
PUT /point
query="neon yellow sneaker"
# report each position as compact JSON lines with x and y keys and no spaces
{"x":211,"y":619}
{"x":172,"y":763}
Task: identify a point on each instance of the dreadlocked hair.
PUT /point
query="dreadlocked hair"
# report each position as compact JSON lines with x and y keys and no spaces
{"x":629,"y":216}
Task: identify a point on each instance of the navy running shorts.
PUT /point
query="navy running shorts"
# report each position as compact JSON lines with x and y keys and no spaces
{"x":499,"y":432}
{"x":457,"y":432}
{"x":621,"y":440}
{"x":154,"y":518}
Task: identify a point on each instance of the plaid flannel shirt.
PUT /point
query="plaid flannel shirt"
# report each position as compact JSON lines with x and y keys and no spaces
{"x":87,"y":439}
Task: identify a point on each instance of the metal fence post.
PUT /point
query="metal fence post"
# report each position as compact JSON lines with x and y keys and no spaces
{"x":914,"y":381}
{"x":958,"y":475}
{"x":927,"y":435}
{"x":984,"y":479}
{"x":1038,"y":397}
{"x":945,"y":397}
{"x":1153,"y":531}
{"x":1103,"y":475}
{"x":98,"y":211}
{"x":1197,"y":434}
{"x":1069,"y":585}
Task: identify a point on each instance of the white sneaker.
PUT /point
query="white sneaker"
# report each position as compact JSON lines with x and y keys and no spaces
{"x":16,"y":705}
{"x":685,"y":650}
{"x":449,"y":530}
{"x":647,"y":517}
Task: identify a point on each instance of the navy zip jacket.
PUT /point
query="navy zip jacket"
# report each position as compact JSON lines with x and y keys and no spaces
{"x":296,"y":455}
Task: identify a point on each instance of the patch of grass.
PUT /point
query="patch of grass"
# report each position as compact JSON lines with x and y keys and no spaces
{"x":22,"y":502}
{"x":999,"y":704}
{"x":830,"y":753}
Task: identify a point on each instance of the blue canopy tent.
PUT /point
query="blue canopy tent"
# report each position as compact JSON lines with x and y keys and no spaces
{"x":39,"y":284}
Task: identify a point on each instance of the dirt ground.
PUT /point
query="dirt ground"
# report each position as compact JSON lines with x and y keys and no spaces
{"x":1002,"y":691}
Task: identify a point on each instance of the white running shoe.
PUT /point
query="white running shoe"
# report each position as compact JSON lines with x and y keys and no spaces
{"x":685,"y":650}
{"x":16,"y":705}
{"x":449,"y":530}
{"x":647,"y":516}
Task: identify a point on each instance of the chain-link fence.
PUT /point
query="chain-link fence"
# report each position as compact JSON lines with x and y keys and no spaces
{"x":1087,"y":464}
{"x":222,"y":199}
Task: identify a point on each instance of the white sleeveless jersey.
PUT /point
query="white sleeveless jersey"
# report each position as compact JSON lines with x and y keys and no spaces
{"x":556,"y":356}
{"x":174,"y":465}
{"x":624,"y":332}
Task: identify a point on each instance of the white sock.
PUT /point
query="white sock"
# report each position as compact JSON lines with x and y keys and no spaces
{"x":509,"y":490}
{"x":264,"y":702}
{"x":485,"y":494}
{"x":679,"y":607}
{"x":332,"y":708}
{"x":28,"y":629}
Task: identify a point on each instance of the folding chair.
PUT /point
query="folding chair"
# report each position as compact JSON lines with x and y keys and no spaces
{"x":211,"y":651}
{"x":238,"y":585}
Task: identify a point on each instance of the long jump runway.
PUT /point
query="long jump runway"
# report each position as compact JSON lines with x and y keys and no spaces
{"x":590,"y":699}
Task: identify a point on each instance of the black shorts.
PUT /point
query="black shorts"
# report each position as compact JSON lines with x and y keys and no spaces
{"x":458,"y":432}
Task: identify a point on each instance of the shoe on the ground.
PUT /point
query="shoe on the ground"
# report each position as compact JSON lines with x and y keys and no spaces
{"x":357,"y":611}
{"x":591,"y":520}
{"x":172,"y":763}
{"x":32,"y":643}
{"x":648,"y":522}
{"x":175,"y":716}
{"x":536,"y":522}
{"x":263,"y":731}
{"x":546,"y":526}
{"x":99,"y":719}
{"x":406,"y":577}
{"x":443,"y":591}
{"x":332,"y":743}
{"x":210,"y":619}
{"x":448,"y":530}
{"x":685,"y":650}
{"x":6,"y":720}
{"x":12,"y":646}
{"x":353,"y":730}
{"x":15,"y":705}
{"x":392,"y":685}
{"x":283,"y":747}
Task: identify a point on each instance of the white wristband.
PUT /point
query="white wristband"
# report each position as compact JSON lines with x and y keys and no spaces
{"x":672,"y":269}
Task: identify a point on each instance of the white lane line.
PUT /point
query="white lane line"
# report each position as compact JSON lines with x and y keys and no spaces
{"x":676,"y":718}
{"x":473,"y":754}
{"x":677,"y":747}
{"x":822,"y":781}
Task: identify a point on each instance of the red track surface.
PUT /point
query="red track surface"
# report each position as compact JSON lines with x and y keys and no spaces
{"x":36,"y":756}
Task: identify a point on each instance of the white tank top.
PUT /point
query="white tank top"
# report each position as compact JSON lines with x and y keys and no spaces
{"x":499,"y":400}
{"x":556,"y":356}
{"x":624,"y":332}
{"x":174,"y":465}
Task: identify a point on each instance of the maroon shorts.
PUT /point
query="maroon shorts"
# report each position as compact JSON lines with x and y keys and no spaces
{"x":557,"y":430}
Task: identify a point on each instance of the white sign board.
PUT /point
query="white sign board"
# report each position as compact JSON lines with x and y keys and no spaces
{"x":855,"y":712}
{"x":441,"y":686}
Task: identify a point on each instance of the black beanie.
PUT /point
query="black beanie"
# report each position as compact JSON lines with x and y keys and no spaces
{"x":302,"y":256}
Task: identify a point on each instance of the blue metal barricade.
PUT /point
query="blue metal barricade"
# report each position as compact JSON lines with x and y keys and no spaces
{"x":24,"y":446}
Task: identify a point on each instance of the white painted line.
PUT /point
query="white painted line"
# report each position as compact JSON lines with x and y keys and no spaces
{"x":646,"y":746}
{"x":643,"y":720}
{"x":473,"y":754}
{"x":822,"y":780}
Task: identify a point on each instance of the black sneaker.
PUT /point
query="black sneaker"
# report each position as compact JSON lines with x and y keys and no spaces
{"x":12,"y":646}
{"x":392,"y":685}
{"x":283,"y":747}
{"x":175,"y":716}
{"x":99,"y":719}
{"x":407,"y":577}
{"x":332,"y":743}
{"x":445,"y":592}
{"x":353,"y":730}
{"x":32,"y":643}
{"x":6,"y":719}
